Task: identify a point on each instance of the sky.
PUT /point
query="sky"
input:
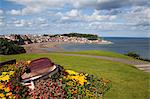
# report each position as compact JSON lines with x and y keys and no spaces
{"x":109,"y":18}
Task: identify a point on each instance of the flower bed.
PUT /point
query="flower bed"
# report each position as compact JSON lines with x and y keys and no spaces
{"x":10,"y":85}
{"x":64,"y":84}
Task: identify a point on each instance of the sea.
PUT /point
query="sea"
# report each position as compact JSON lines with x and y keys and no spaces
{"x":121,"y":45}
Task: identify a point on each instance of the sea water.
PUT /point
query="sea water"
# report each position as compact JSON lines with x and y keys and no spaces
{"x":121,"y":45}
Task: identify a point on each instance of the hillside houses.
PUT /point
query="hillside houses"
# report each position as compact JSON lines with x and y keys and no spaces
{"x":27,"y":39}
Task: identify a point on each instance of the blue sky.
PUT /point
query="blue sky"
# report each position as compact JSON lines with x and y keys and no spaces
{"x":127,"y":18}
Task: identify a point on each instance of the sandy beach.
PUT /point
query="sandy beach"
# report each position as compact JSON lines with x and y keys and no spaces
{"x":51,"y":46}
{"x":41,"y":47}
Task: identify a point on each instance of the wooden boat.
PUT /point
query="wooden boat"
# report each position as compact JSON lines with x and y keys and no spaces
{"x":39,"y":69}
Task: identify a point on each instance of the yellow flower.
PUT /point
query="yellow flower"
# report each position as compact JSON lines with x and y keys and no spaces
{"x":75,"y":91}
{"x":12,"y":97}
{"x":9,"y":94}
{"x":2,"y":95}
{"x":76,"y":77}
{"x":5,"y":78}
{"x":88,"y":82}
{"x":6,"y":89}
{"x":90,"y":95}
{"x":87,"y":91}
{"x":1,"y":86}
{"x":28,"y":62}
{"x":11,"y":72}
{"x":4,"y":73}
{"x":16,"y":62}
{"x":86,"y":74}
{"x":71,"y":72}
{"x":105,"y":81}
{"x":3,"y":98}
{"x":81,"y":79}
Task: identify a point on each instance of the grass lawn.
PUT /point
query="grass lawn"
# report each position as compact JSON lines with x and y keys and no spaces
{"x":99,"y":53}
{"x":127,"y":81}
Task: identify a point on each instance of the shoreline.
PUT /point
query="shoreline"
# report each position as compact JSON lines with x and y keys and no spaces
{"x":41,"y":47}
{"x":46,"y":47}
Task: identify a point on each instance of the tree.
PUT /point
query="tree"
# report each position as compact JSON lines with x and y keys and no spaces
{"x":9,"y":47}
{"x":88,"y":36}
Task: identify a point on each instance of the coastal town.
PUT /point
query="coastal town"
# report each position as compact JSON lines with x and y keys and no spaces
{"x":28,"y":39}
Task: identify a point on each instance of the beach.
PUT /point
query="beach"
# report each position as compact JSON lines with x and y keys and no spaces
{"x":45,"y":47}
{"x":41,"y":47}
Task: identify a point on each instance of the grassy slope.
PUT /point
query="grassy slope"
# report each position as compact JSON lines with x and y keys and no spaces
{"x":128,"y":82}
{"x":100,"y":53}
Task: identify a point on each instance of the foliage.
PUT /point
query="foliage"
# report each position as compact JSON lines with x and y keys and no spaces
{"x":9,"y":47}
{"x":64,"y":84}
{"x":88,"y":36}
{"x":132,"y":54}
{"x":70,"y":84}
{"x":20,"y":40}
{"x":136,"y":56}
{"x":48,"y":89}
{"x":45,"y":35}
{"x":82,"y":85}
{"x":10,"y":86}
{"x":127,"y":81}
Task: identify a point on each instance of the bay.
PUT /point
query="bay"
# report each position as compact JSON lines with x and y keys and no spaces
{"x":121,"y":45}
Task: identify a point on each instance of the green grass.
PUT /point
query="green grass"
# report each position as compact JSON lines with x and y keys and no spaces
{"x":99,"y":53}
{"x":127,"y":81}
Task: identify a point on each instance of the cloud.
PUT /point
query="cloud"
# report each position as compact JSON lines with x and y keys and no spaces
{"x":2,"y":18}
{"x":2,"y":21}
{"x":22,"y":23}
{"x":73,"y":14}
{"x":15,"y":12}
{"x":109,"y":4}
{"x":76,"y":15}
{"x":41,"y":22}
{"x":140,"y":16}
{"x":96,"y":16}
{"x":34,"y":23}
{"x":1,"y":12}
{"x":36,"y":6}
{"x":44,"y":25}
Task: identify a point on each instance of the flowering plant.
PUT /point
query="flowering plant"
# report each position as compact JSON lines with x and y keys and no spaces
{"x":82,"y":85}
{"x":66,"y":84}
{"x":10,"y":86}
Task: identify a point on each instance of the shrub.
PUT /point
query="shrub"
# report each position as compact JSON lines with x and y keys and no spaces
{"x":9,"y":47}
{"x":132,"y":54}
{"x":136,"y":56}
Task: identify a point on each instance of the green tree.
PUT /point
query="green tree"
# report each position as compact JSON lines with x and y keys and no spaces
{"x":9,"y":47}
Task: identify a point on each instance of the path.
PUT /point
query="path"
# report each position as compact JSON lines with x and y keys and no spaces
{"x":142,"y":65}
